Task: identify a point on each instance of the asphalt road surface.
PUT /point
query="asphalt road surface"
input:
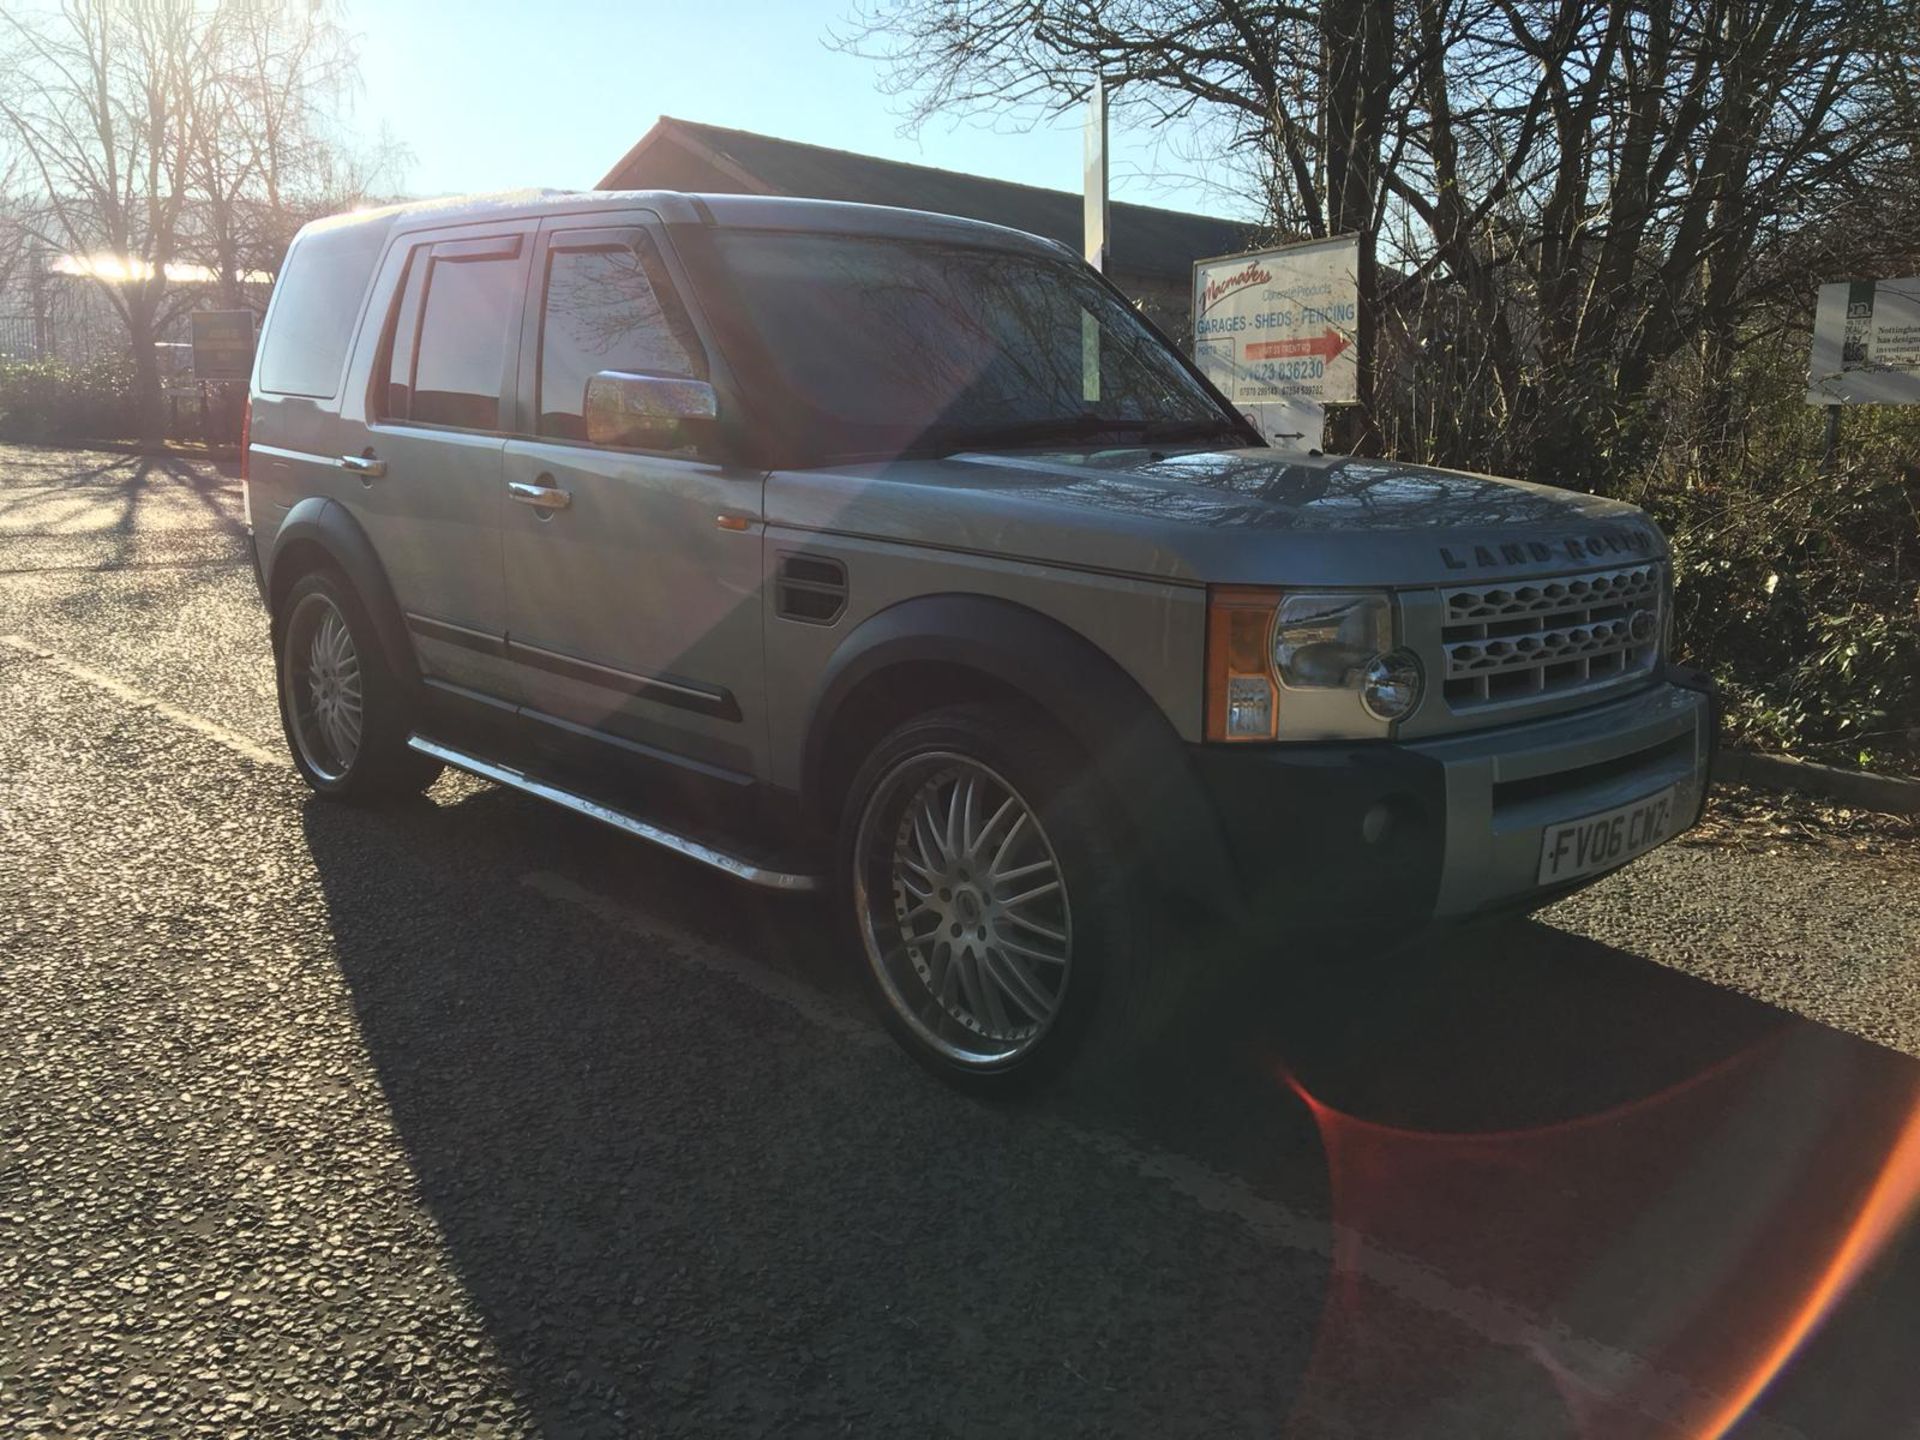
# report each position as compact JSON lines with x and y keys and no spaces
{"x":469,"y":1118}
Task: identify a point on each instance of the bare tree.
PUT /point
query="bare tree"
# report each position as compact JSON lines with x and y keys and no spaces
{"x":1633,"y":173}
{"x":22,"y":328}
{"x":104,"y":99}
{"x":266,"y":152}
{"x":173,"y":147}
{"x":13,"y":230}
{"x":1306,"y":87}
{"x":1553,"y":197}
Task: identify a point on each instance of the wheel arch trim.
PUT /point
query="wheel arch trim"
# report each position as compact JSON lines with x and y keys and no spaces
{"x":323,"y":523}
{"x":1104,"y":709}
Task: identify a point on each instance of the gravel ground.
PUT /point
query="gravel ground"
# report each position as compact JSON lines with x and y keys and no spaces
{"x":466,"y":1118}
{"x":1802,"y":906}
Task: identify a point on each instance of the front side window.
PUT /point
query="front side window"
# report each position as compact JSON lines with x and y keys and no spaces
{"x":470,"y":302}
{"x":887,"y":346}
{"x":607,"y":305}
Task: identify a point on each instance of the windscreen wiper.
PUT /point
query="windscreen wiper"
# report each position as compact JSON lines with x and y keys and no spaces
{"x":1189,"y":430}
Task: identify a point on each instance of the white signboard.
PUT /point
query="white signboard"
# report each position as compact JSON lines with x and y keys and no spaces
{"x":1274,"y":329}
{"x":1866,"y":344}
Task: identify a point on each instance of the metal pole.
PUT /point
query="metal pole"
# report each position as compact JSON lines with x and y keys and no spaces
{"x":1094,"y":217}
{"x":1831,"y":453}
{"x":37,"y":296}
{"x":1095,"y":177}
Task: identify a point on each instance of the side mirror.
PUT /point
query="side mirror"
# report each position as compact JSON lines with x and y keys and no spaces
{"x":648,"y":412}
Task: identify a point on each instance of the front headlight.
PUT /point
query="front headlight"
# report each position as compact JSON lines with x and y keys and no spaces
{"x":1322,"y":642}
{"x":1306,"y":665}
{"x":1390,"y":685}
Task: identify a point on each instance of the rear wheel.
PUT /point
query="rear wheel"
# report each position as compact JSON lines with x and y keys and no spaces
{"x":990,"y":899}
{"x":343,"y":706}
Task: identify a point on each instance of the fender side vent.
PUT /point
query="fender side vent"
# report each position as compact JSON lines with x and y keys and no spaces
{"x":810,"y":589}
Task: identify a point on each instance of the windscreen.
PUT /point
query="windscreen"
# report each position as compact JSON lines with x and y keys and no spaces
{"x":887,"y":345}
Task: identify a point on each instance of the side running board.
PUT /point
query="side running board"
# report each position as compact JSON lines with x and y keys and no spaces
{"x":784,"y":881}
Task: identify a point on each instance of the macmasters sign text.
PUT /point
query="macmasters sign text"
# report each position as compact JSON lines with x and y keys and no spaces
{"x":1278,"y":326}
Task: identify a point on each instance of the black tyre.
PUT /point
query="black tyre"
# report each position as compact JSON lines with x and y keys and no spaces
{"x":1001,"y":929}
{"x":343,"y":705}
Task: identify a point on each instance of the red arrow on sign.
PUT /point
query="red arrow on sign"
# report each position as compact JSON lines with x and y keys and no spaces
{"x":1329,"y":344}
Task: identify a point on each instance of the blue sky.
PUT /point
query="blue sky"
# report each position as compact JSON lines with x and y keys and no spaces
{"x":496,"y":94}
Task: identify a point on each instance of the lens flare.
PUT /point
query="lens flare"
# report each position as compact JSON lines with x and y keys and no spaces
{"x":1887,"y":1207}
{"x":1655,"y":1265}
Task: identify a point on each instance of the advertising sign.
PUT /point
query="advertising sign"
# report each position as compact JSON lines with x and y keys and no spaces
{"x":1278,"y":325}
{"x":222,"y":344}
{"x":1866,"y":344}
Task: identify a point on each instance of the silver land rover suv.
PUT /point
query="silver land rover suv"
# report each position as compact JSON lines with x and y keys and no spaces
{"x":893,"y":556}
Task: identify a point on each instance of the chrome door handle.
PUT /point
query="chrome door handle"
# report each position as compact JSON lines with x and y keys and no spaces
{"x":364,"y":466}
{"x":541,"y":497}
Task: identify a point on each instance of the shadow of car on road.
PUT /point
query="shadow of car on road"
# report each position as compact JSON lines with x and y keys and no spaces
{"x":676,"y":1211}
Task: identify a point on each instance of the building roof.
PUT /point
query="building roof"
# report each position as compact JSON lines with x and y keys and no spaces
{"x":1145,"y":240}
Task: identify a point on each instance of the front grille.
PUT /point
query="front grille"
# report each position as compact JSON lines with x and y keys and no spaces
{"x":1528,"y":638}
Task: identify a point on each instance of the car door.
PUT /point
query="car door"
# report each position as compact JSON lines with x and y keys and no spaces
{"x":426,"y":480}
{"x":632,"y":576}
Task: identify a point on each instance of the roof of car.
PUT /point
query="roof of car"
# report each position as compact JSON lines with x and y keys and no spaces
{"x":747,"y":211}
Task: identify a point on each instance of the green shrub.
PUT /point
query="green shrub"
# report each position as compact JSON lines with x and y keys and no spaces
{"x":50,"y":401}
{"x":1798,"y":584}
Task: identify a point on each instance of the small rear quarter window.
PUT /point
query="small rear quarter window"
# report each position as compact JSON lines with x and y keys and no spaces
{"x":318,"y":301}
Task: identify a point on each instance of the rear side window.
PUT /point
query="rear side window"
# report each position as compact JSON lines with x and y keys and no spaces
{"x":451,"y":334}
{"x":607,"y":305}
{"x":320,"y":289}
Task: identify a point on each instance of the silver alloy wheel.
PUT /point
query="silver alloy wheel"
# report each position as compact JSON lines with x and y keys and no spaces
{"x":323,"y":687}
{"x":963,"y":909}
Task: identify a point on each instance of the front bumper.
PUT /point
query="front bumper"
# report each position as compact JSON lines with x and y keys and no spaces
{"x":1359,"y":834}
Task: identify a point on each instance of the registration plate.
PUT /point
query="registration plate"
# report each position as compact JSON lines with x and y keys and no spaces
{"x":1600,"y":842}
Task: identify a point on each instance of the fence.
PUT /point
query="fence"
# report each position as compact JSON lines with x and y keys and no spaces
{"x":61,"y":317}
{"x":17,"y":339}
{"x":70,"y":320}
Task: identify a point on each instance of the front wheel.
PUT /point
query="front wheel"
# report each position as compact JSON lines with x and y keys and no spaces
{"x":989,"y":896}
